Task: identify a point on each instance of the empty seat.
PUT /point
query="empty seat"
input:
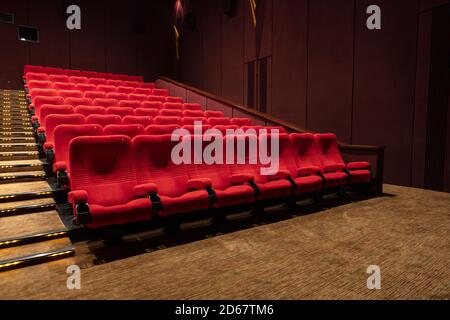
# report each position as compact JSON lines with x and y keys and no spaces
{"x":145,"y":91}
{"x":120,"y":111}
{"x":177,"y":193}
{"x":107,"y":103}
{"x":104,"y":119}
{"x":33,"y":69}
{"x":88,"y":110}
{"x":130,"y":130}
{"x":104,"y":182}
{"x":139,"y":79}
{"x":126,"y":90}
{"x":78,"y":102}
{"x":76,"y":80}
{"x":174,"y":100}
{"x":40,"y":101}
{"x":106,"y":88}
{"x":133,"y":84}
{"x":173,"y":106}
{"x":145,"y":121}
{"x":30,"y":76}
{"x":117,"y":96}
{"x":115,"y":83}
{"x":156,"y":98}
{"x":43,"y":93}
{"x":38,"y":84}
{"x":193,"y":129}
{"x":137,"y":97}
{"x":130,"y":104}
{"x":94,"y":95}
{"x":70,"y":93}
{"x":161,"y":129}
{"x":333,"y":164}
{"x":192,"y":120}
{"x":193,"y":113}
{"x":54,"y":71}
{"x":97,"y":81}
{"x":219,"y":121}
{"x":192,"y":106}
{"x":58,"y":78}
{"x":48,"y":109}
{"x":241,"y":122}
{"x":64,"y":86}
{"x":73,"y":73}
{"x":148,"y":85}
{"x":85,"y":87}
{"x":47,"y":132}
{"x":89,"y":74}
{"x":151,"y":104}
{"x":171,"y":113}
{"x":225,"y":130}
{"x":214,"y":114}
{"x":167,"y":120}
{"x":146,"y":112}
{"x":161,"y":92}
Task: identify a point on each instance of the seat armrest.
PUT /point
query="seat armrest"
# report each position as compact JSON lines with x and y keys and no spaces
{"x":280,"y":175}
{"x":358,"y":166}
{"x":334,"y":167}
{"x":242,"y":179}
{"x":59,"y":166}
{"x":48,"y":145}
{"x":41,"y":130}
{"x":144,"y":190}
{"x":199,"y":184}
{"x":34,"y":118}
{"x":308,"y":171}
{"x":77,"y":197}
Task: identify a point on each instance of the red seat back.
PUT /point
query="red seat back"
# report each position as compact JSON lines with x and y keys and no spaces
{"x":130,"y":130}
{"x":104,"y":119}
{"x":54,"y":120}
{"x":145,"y":121}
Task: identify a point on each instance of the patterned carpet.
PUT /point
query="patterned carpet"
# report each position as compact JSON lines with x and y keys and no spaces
{"x":321,"y":255}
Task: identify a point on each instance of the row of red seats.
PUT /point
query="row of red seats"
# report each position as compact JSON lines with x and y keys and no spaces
{"x":78,"y":73}
{"x":116,"y":180}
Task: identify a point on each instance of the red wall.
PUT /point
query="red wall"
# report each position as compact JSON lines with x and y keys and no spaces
{"x":105,"y":43}
{"x":328,"y":72}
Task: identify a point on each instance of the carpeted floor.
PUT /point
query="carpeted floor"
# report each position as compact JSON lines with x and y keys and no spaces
{"x":322,"y":255}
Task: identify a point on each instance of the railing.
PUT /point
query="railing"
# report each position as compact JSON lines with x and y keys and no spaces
{"x":372,"y":154}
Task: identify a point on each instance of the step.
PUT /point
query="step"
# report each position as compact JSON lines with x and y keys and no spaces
{"x":20,"y":166}
{"x":33,"y":248}
{"x":33,"y":223}
{"x":26,"y":207}
{"x":28,"y":239}
{"x":38,"y":258}
{"x":18,"y":147}
{"x":10,"y":177}
{"x":7,"y":134}
{"x":28,"y":155}
{"x":17,"y":139}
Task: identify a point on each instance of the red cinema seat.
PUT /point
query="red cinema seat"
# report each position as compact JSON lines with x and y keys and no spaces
{"x":126,"y":90}
{"x":115,"y":83}
{"x":38,"y":84}
{"x":70,"y":93}
{"x":193,"y":129}
{"x":191,"y":120}
{"x":49,"y":109}
{"x":146,"y":112}
{"x":161,"y":129}
{"x":104,"y":187}
{"x":161,"y":92}
{"x":177,"y":193}
{"x":171,"y":113}
{"x":194,"y":113}
{"x":73,"y":73}
{"x":41,"y":100}
{"x":151,"y":104}
{"x":139,"y":79}
{"x":54,"y":71}
{"x":130,"y":130}
{"x":132,"y":84}
{"x":192,"y":106}
{"x":30,"y":76}
{"x":148,"y":85}
{"x":175,"y":100}
{"x":43,"y":93}
{"x":333,"y":164}
{"x":104,"y":119}
{"x":89,"y":110}
{"x":33,"y":69}
{"x":97,"y":81}
{"x":214,"y":114}
{"x":120,"y":111}
{"x":117,"y":96}
{"x":167,"y":120}
{"x":130,"y":104}
{"x":64,"y":86}
{"x":226,"y":130}
{"x":173,"y":106}
{"x":78,"y":102}
{"x":107,"y":103}
{"x":145,"y":121}
{"x":84,"y":87}
{"x":58,"y":78}
{"x":106,"y":88}
{"x":156,"y":99}
{"x":219,"y":122}
{"x":89,"y":74}
{"x":77,"y":80}
{"x":308,"y":161}
{"x":264,"y":130}
{"x":47,"y":132}
{"x":145,"y":91}
{"x":94,"y":95}
{"x":230,"y":190}
{"x":137,"y":97}
{"x":241,"y":122}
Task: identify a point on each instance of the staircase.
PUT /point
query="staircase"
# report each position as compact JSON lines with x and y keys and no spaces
{"x":31,"y":231}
